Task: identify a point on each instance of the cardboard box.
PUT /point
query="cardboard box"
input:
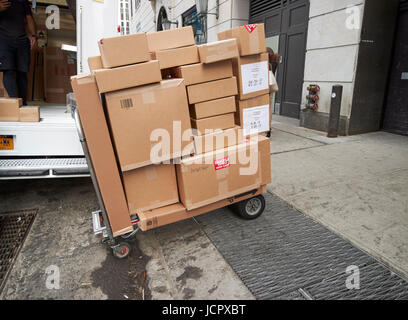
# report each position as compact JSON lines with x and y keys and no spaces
{"x":128,"y":76}
{"x":150,"y":187}
{"x":222,"y":122}
{"x":140,"y":114}
{"x":199,"y":73}
{"x":102,"y":153}
{"x":254,"y":115}
{"x":95,"y":63}
{"x":177,"y":57}
{"x":218,"y":51}
{"x":212,"y":90}
{"x":213,"y":108}
{"x":29,"y":114}
{"x":252,"y":73}
{"x":9,"y":109}
{"x":217,"y":175}
{"x":219,"y":139}
{"x":124,"y":50}
{"x":250,"y":38}
{"x":170,"y":39}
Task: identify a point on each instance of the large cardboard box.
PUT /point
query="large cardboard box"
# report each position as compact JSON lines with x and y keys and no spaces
{"x":176,"y":57}
{"x":217,"y":175}
{"x":29,"y":114}
{"x":10,"y":109}
{"x":212,"y":90}
{"x":250,"y":38}
{"x":128,"y":76}
{"x":146,"y":122}
{"x":150,"y":187}
{"x":218,"y":51}
{"x":218,"y":139}
{"x":124,"y":50}
{"x":223,"y":121}
{"x":252,"y":73}
{"x":170,"y":39}
{"x":213,"y":107}
{"x":254,"y":115}
{"x":102,"y":153}
{"x":95,"y":63}
{"x":199,"y":72}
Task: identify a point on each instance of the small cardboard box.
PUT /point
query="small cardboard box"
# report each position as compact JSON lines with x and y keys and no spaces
{"x":218,"y":51}
{"x":170,"y":39}
{"x":10,"y":109}
{"x":128,"y":76}
{"x":124,"y":50}
{"x":223,"y":121}
{"x":95,"y":63}
{"x":176,"y":57}
{"x":212,"y":90}
{"x":254,"y":115}
{"x":250,"y":38}
{"x":217,"y":175}
{"x":29,"y":114}
{"x":219,"y":139}
{"x":213,"y":108}
{"x":252,"y":73}
{"x":150,"y":187}
{"x":199,"y":73}
{"x":144,"y":119}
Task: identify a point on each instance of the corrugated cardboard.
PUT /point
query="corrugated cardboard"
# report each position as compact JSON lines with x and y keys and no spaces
{"x":102,"y":153}
{"x":29,"y":114}
{"x":212,"y":90}
{"x":199,"y":73}
{"x":219,"y":139}
{"x":222,"y":122}
{"x":9,"y":109}
{"x":124,"y":50}
{"x":170,"y":39}
{"x":128,"y":76}
{"x":136,"y":114}
{"x":218,"y":51}
{"x":95,"y":63}
{"x":213,"y":107}
{"x":176,"y":57}
{"x":257,"y":113}
{"x":217,"y":175}
{"x":150,"y":187}
{"x":252,"y":73}
{"x":250,"y":38}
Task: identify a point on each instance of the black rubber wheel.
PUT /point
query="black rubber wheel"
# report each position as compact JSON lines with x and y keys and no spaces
{"x":122,"y":251}
{"x":251,"y":208}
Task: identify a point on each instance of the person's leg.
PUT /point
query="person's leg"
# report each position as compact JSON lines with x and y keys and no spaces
{"x":9,"y":82}
{"x":22,"y":66}
{"x":22,"y":86}
{"x":8,"y":66}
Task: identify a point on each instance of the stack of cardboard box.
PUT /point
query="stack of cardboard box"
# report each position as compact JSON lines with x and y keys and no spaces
{"x":12,"y":109}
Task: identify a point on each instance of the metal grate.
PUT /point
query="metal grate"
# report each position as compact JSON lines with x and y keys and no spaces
{"x":42,"y":162}
{"x":258,"y":7}
{"x":14,"y":227}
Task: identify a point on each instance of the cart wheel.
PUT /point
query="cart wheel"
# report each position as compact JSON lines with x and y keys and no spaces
{"x":122,"y":250}
{"x":251,"y":208}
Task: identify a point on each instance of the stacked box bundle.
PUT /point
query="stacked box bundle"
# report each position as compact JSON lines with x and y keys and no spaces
{"x":252,"y":72}
{"x":12,"y":109}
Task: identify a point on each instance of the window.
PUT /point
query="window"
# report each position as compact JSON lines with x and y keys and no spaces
{"x":190,"y":18}
{"x":124,"y":16}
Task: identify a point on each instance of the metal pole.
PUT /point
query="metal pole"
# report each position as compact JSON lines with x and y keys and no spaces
{"x":334,"y":116}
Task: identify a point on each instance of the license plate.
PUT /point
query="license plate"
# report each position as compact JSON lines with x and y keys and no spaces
{"x":6,"y":143}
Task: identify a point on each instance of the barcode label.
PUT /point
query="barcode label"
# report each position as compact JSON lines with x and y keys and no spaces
{"x":126,"y":103}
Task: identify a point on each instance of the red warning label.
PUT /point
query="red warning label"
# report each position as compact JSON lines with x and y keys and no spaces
{"x":222,"y":163}
{"x":250,"y":27}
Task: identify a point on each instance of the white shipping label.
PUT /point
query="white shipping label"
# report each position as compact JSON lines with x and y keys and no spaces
{"x":256,"y":119}
{"x":254,"y":77}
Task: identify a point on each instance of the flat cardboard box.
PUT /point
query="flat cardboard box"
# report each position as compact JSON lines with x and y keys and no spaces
{"x":214,"y":176}
{"x":102,"y":153}
{"x":213,"y":108}
{"x":218,"y":51}
{"x":124,"y":50}
{"x":176,"y":57}
{"x":30,"y":114}
{"x":222,"y":122}
{"x":218,"y":139}
{"x":254,"y":115}
{"x":128,"y":76}
{"x":150,"y":187}
{"x":170,"y":39}
{"x":252,"y":73}
{"x":212,"y":90}
{"x":9,"y":109}
{"x":140,"y":115}
{"x":95,"y":63}
{"x":250,"y":38}
{"x":200,"y":72}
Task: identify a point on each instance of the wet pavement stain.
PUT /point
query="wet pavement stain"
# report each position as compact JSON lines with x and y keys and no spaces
{"x":189,"y":273}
